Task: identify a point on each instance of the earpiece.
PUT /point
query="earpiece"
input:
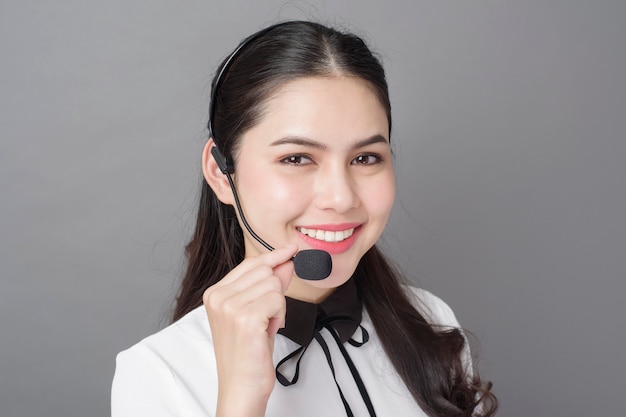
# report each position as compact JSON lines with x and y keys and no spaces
{"x":225,"y":165}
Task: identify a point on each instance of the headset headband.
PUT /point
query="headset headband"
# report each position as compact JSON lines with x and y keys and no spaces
{"x":226,"y":67}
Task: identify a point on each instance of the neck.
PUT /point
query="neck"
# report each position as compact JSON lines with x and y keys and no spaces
{"x":301,"y":290}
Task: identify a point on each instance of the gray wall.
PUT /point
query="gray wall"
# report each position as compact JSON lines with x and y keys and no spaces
{"x":509,"y":136}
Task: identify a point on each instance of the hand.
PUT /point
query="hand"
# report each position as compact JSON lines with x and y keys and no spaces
{"x":246,"y":309}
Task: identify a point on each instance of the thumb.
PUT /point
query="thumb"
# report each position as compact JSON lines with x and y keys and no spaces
{"x":285,"y":272}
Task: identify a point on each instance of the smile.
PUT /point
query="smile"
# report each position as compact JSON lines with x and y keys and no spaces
{"x":327,"y":235}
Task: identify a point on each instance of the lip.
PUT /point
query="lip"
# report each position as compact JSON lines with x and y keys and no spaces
{"x":332,"y":227}
{"x":332,"y":247}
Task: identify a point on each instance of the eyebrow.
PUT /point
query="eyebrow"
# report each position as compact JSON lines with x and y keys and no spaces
{"x":302,"y":141}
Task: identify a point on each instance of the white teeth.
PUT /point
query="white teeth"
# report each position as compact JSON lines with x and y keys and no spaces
{"x":327,"y":235}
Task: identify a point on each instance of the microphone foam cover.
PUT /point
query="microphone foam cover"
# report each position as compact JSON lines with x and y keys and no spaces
{"x":313,"y":264}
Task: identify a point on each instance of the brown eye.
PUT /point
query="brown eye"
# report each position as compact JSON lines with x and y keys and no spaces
{"x":296,"y":160}
{"x":366,"y":159}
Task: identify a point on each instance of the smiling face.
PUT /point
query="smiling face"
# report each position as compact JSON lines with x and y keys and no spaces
{"x":317,"y":171}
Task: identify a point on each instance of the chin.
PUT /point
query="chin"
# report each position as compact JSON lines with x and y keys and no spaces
{"x":336,"y":279}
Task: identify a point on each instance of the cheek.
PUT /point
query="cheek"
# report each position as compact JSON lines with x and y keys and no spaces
{"x":379,"y":197}
{"x":268,"y":194}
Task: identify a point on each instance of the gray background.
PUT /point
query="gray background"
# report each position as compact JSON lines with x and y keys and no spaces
{"x":509,"y":136}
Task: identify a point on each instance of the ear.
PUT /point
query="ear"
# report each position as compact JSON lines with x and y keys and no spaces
{"x":214,"y":177}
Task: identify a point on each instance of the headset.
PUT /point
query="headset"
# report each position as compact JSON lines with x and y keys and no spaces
{"x":309,"y":264}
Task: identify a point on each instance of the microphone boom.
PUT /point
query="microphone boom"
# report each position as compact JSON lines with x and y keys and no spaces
{"x":309,"y":264}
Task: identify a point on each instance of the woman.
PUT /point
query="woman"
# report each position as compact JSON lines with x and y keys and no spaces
{"x":299,"y":149}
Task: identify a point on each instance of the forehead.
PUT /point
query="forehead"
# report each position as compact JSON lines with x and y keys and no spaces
{"x":323,"y":108}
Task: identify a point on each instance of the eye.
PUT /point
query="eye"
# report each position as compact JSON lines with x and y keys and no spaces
{"x":296,"y":160}
{"x":366,"y":159}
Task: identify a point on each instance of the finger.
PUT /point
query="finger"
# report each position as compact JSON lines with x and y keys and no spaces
{"x":275,"y":324}
{"x":270,"y":309}
{"x":232,"y":298}
{"x":252,"y":321}
{"x":285,"y":273}
{"x":271,"y":259}
{"x":237,"y":281}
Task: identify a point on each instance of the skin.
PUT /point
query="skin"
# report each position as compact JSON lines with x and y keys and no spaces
{"x":320,"y":159}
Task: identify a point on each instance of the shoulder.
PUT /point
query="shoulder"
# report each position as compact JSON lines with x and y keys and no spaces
{"x":148,"y":375}
{"x":433,"y":308}
{"x":440,"y":315}
{"x":193,"y":328}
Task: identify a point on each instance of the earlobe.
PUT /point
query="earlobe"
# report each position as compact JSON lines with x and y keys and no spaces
{"x":214,"y":176}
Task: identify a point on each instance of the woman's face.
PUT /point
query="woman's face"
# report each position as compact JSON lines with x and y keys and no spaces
{"x":317,"y":172}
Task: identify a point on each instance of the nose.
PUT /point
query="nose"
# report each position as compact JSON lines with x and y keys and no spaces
{"x":336,"y":189}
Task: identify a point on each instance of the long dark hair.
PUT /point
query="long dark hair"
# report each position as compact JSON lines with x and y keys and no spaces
{"x":428,"y":359}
